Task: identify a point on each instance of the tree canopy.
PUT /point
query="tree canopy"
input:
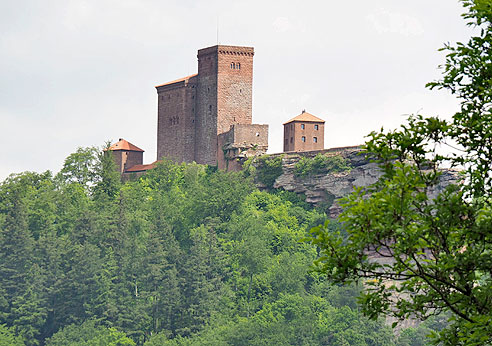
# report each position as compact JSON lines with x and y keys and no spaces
{"x":422,"y":246}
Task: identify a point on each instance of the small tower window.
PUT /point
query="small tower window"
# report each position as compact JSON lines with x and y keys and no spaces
{"x":233,"y":65}
{"x":291,"y":139}
{"x":210,"y":107}
{"x":302,"y":126}
{"x":315,"y":139}
{"x":303,"y":139}
{"x":316,"y":128}
{"x":238,"y":66}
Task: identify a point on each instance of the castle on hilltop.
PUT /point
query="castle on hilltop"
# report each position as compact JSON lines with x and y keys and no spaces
{"x":207,"y":117}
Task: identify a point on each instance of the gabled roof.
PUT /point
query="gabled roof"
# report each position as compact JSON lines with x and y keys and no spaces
{"x":141,"y":168}
{"x":306,"y":117}
{"x":177,"y":80}
{"x":124,"y":145}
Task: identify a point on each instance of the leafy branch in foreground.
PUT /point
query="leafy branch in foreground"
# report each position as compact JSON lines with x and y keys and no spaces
{"x":422,"y":248}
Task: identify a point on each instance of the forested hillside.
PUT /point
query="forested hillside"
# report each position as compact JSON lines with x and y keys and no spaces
{"x":184,"y":255}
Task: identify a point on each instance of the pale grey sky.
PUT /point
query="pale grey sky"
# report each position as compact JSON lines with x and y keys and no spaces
{"x":78,"y":73}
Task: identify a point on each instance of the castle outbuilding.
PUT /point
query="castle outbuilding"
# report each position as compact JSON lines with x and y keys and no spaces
{"x":126,"y":155}
{"x":128,"y":158}
{"x":194,"y":111}
{"x":305,"y":132}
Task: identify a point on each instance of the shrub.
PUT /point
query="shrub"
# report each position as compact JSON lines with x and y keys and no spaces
{"x":321,"y":164}
{"x":265,"y":168}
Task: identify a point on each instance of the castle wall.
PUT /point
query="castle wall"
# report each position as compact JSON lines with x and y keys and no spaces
{"x":239,"y":143}
{"x":125,"y":159}
{"x":194,"y":110}
{"x":234,"y":86}
{"x":176,"y":120}
{"x":224,"y":97}
{"x":118,"y":160}
{"x":132,"y":158}
{"x":313,"y":139}
{"x":206,"y":108}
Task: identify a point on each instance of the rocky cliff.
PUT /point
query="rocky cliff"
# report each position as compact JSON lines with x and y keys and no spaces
{"x":323,"y":184}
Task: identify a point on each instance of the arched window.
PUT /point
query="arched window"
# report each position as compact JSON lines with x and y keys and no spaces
{"x":238,"y":66}
{"x":233,"y":65}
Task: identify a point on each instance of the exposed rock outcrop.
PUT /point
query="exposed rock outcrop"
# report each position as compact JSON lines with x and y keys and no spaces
{"x":324,"y":187}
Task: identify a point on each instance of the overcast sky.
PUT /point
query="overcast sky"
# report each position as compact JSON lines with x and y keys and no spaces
{"x":78,"y":73}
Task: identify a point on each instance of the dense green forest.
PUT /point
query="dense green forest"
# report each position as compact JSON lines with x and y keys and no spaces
{"x":184,"y":255}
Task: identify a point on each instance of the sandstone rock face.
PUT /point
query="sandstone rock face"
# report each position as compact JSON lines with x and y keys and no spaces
{"x":324,"y":188}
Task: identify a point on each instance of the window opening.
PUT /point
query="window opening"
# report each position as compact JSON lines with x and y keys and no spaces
{"x":303,"y":138}
{"x":315,"y":139}
{"x":302,"y":126}
{"x":316,"y":127}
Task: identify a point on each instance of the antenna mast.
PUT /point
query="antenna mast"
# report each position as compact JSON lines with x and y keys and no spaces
{"x":217,"y":29}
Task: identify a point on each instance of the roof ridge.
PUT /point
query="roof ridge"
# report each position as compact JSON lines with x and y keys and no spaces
{"x":306,"y":117}
{"x":123,"y":144}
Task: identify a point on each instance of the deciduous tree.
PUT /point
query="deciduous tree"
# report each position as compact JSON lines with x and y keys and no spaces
{"x":433,"y":245}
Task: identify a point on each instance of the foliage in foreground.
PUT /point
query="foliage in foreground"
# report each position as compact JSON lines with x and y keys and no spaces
{"x":89,"y":334}
{"x":436,"y":242}
{"x":181,"y":256}
{"x":321,"y":163}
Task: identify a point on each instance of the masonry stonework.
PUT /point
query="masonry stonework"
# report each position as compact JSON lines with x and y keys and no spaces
{"x":194,"y":110}
{"x":239,"y":143}
{"x":176,"y":120}
{"x":305,"y":132}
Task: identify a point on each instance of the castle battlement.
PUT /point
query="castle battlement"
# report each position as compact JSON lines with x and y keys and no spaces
{"x":193,"y":111}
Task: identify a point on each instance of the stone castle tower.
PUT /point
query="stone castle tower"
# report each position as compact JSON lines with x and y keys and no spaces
{"x":195,"y":110}
{"x":305,"y":132}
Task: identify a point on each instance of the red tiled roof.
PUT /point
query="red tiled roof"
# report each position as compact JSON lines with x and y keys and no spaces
{"x":306,"y":117}
{"x":124,"y":145}
{"x":178,"y":80}
{"x":140,"y":168}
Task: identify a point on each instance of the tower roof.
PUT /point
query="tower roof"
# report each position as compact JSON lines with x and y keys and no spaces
{"x":177,"y":80}
{"x":124,"y":145}
{"x":306,"y":117}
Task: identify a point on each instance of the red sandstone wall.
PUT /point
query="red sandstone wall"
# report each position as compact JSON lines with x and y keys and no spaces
{"x":126,"y":159}
{"x":239,"y":143}
{"x":234,"y":86}
{"x":118,"y":160}
{"x":133,"y":158}
{"x":293,"y":134}
{"x":206,"y":107}
{"x":224,"y":96}
{"x":176,"y":120}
